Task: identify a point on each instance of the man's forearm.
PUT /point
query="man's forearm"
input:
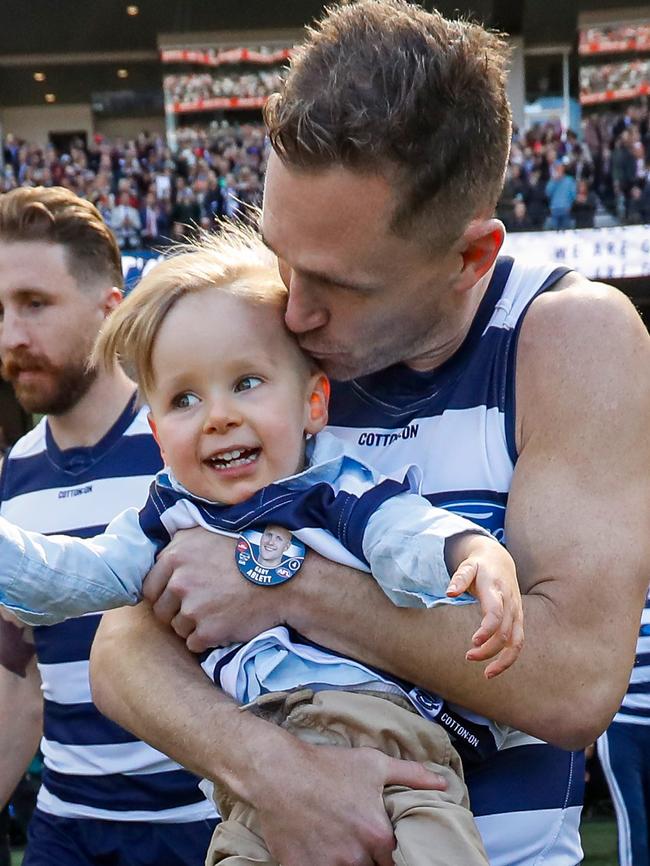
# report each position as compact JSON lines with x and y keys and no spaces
{"x":552,"y":691}
{"x":21,"y":712}
{"x":143,"y":677}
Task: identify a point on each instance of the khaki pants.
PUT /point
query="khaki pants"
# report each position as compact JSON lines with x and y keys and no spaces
{"x":432,"y":828}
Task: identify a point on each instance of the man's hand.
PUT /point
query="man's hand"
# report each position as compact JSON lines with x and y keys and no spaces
{"x":344,"y":788}
{"x":196,"y":588}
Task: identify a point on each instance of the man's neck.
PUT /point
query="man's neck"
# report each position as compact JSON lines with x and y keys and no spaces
{"x":94,"y":414}
{"x":457,"y":325}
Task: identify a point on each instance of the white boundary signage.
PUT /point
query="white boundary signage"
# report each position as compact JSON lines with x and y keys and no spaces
{"x":620,"y":251}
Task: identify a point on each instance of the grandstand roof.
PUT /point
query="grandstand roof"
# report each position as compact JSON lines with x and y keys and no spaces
{"x":80,"y":45}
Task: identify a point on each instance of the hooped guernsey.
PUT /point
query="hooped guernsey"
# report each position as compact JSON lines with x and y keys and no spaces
{"x":457,"y":424}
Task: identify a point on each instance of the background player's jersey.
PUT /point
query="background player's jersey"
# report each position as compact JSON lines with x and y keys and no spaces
{"x":457,"y":423}
{"x":635,"y":709}
{"x":93,"y":768}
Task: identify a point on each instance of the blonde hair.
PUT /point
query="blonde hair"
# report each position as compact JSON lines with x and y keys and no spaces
{"x":236,"y":261}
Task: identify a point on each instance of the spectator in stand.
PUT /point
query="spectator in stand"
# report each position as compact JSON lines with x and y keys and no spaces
{"x":537,"y":203}
{"x":125,"y":222}
{"x":186,"y":213}
{"x":637,"y":207}
{"x":515,"y":187}
{"x":623,"y":171}
{"x":584,"y":206}
{"x":155,"y":222}
{"x":561,"y":193}
{"x":520,"y":221}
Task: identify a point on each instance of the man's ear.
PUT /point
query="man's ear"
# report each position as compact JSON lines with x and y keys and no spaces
{"x":317,"y":402}
{"x":112,"y":297}
{"x":481,"y":243}
{"x":154,"y":430}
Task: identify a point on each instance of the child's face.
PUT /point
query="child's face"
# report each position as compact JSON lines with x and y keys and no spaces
{"x":233,"y":397}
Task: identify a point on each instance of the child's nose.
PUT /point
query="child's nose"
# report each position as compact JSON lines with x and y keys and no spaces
{"x":222,"y":415}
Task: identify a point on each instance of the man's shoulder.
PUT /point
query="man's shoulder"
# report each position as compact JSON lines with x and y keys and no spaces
{"x":578,"y":308}
{"x":583,"y":343}
{"x":31,"y":443}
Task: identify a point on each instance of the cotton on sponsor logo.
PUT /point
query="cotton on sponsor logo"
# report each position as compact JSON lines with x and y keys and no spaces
{"x":378,"y":439}
{"x":77,"y":491}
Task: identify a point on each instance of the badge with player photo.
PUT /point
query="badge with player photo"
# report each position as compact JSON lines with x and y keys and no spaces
{"x":269,"y":557}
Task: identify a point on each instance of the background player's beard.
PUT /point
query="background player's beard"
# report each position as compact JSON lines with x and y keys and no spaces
{"x":57,"y":390}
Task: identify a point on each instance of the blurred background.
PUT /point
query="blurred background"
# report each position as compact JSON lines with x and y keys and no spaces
{"x":152,"y":110}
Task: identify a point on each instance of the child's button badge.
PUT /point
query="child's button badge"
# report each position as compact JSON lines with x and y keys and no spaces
{"x":269,"y":557}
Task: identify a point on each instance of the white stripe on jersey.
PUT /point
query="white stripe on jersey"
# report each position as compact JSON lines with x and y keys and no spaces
{"x":622,"y":818}
{"x":47,"y":802}
{"x":454,"y":471}
{"x":548,"y":837}
{"x":47,"y":512}
{"x":66,"y":683}
{"x":106,"y":759}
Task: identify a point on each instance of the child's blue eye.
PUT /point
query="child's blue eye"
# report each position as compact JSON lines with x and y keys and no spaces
{"x":185,"y":400}
{"x":248,"y":383}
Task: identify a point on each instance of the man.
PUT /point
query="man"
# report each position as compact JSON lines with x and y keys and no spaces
{"x":105,"y":798}
{"x":125,"y":222}
{"x":521,"y":391}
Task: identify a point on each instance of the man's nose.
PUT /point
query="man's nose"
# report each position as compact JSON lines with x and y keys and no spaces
{"x":304,"y":311}
{"x":13,"y":333}
{"x":221,"y":415}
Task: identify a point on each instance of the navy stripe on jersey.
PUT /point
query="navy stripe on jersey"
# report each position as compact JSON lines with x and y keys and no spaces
{"x":510,"y":405}
{"x":343,"y":514}
{"x":81,"y":725}
{"x":66,"y":641}
{"x":637,"y":712}
{"x":635,"y":709}
{"x":29,"y":473}
{"x":518,"y":771}
{"x":146,"y":791}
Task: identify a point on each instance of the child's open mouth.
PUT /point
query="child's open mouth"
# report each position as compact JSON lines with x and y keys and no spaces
{"x":236,"y":457}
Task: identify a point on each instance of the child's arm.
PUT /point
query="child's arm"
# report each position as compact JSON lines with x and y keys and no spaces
{"x":484,"y":568}
{"x":408,"y":543}
{"x":46,"y":579}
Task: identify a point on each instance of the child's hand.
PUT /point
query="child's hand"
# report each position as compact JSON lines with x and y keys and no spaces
{"x":487,"y":571}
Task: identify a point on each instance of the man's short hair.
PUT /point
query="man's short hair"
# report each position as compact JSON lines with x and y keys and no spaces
{"x":383,"y":86}
{"x":57,"y":216}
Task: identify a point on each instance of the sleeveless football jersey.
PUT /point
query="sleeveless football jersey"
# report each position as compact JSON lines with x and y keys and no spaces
{"x":457,"y":423}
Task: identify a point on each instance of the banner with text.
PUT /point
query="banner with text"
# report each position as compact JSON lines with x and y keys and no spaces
{"x":620,"y":251}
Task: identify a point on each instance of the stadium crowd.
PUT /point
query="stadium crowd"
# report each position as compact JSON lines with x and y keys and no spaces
{"x":556,"y":179}
{"x":198,"y":86}
{"x":147,"y":194}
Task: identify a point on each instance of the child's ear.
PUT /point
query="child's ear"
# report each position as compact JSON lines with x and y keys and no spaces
{"x":318,"y":400}
{"x":154,"y":430}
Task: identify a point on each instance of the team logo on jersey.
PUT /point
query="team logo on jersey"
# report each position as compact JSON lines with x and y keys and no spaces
{"x":269,"y":557}
{"x":489,"y":515}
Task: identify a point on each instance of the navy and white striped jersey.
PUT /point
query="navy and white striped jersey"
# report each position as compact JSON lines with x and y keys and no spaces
{"x":93,"y":768}
{"x":635,"y":709}
{"x":338,"y":506}
{"x":457,"y":424}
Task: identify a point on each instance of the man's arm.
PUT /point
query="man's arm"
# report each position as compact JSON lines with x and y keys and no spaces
{"x":21,"y":704}
{"x":577,"y":525}
{"x":288,"y":781}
